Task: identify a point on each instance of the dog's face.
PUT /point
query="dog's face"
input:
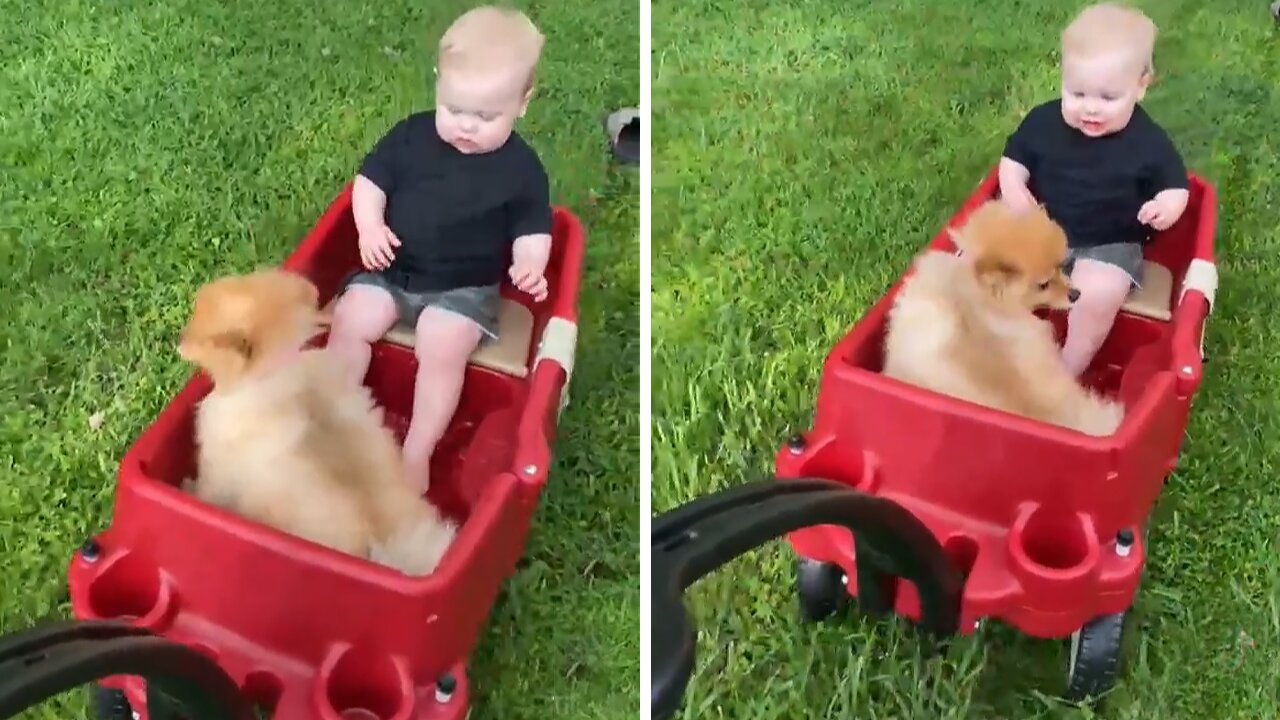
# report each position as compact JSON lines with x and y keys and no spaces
{"x":1017,"y":256}
{"x":241,"y":321}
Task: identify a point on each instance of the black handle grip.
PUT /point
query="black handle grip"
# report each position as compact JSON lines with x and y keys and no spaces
{"x":695,"y":539}
{"x":48,"y":660}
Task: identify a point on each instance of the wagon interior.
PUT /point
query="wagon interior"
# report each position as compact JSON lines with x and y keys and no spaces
{"x":1139,"y":342}
{"x":480,"y":440}
{"x":478,"y":444}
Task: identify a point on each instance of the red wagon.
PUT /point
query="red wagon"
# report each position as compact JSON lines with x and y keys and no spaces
{"x":948,"y":513}
{"x":306,"y":633}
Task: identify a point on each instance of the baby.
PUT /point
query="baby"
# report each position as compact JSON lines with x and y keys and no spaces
{"x":440,"y":203}
{"x":1100,"y":165}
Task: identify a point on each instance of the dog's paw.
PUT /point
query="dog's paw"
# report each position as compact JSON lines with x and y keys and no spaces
{"x":1105,"y":417}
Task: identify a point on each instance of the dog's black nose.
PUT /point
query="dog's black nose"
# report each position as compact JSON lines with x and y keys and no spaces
{"x":1073,"y":294}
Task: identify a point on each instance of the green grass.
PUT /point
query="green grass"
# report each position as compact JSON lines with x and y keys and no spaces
{"x":149,"y":147}
{"x":803,"y":152}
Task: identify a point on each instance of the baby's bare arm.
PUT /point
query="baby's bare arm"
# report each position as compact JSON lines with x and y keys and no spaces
{"x":529,"y":256}
{"x":368,"y":205}
{"x":1013,"y":177}
{"x":1175,"y":199}
{"x":1012,"y":174}
{"x":532,"y":252}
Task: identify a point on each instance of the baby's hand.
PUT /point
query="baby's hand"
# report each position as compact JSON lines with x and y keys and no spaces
{"x":1163,"y":210}
{"x":529,"y":255}
{"x":528,"y":279}
{"x":375,"y":248}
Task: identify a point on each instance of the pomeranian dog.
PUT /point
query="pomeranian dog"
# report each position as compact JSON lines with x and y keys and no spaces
{"x":286,"y":440}
{"x":964,"y":325}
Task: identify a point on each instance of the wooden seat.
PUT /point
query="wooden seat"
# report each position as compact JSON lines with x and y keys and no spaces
{"x":1155,"y":297}
{"x":507,"y":355}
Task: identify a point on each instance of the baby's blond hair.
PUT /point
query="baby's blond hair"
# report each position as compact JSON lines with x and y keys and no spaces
{"x":1108,"y":27}
{"x":490,"y":38}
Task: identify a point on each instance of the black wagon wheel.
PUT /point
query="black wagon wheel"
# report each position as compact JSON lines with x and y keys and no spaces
{"x":1094,"y":651}
{"x":820,"y":589}
{"x":698,"y":537}
{"x":1095,"y":657}
{"x":108,"y":704}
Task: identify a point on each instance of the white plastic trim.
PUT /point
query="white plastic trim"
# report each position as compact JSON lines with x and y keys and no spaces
{"x":1201,"y":275}
{"x":559,"y":343}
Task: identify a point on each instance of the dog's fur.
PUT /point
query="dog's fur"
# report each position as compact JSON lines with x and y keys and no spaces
{"x":286,"y":440}
{"x":965,"y":326}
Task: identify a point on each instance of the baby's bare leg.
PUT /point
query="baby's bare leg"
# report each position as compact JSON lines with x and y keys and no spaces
{"x":1103,"y":288}
{"x":443,"y":341}
{"x":361,"y":316}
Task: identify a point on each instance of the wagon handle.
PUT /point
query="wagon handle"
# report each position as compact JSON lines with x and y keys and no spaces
{"x":694,"y":539}
{"x":51,"y":659}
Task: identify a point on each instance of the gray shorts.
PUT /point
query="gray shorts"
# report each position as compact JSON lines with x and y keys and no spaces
{"x":478,"y":304}
{"x":1126,"y":256}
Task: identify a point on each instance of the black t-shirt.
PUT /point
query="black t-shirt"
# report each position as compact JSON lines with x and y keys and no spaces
{"x":1094,"y":187}
{"x":456,"y":215}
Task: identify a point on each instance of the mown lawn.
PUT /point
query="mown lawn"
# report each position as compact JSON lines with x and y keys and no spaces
{"x":146,"y":148}
{"x":803,"y":152}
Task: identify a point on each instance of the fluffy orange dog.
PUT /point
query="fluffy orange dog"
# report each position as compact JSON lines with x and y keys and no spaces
{"x":285,"y":439}
{"x":964,"y":325}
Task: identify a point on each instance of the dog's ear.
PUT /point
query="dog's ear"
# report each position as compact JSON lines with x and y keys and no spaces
{"x":218,"y":337}
{"x":235,"y":342}
{"x":994,"y":274}
{"x":223,"y":356}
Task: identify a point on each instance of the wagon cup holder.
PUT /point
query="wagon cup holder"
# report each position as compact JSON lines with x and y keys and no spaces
{"x":854,"y":467}
{"x":263,"y":688}
{"x":693,"y":540}
{"x":356,"y":683}
{"x":1053,"y":551}
{"x":52,"y":659}
{"x":127,"y":587}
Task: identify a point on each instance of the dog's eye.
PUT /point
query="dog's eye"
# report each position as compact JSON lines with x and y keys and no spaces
{"x":1044,"y":285}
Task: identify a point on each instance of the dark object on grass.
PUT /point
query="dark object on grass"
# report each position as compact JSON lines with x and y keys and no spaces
{"x":1275,"y":11}
{"x":54,"y":658}
{"x":694,"y":539}
{"x":623,"y":129}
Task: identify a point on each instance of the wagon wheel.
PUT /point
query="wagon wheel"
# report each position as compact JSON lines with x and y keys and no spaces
{"x":46,"y":661}
{"x":1094,"y":651}
{"x":695,"y":539}
{"x":820,"y":588}
{"x":1095,"y":656}
{"x":108,"y":704}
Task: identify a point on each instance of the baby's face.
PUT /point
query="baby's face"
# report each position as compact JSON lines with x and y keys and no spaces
{"x":475,"y":114}
{"x":1100,"y":93}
